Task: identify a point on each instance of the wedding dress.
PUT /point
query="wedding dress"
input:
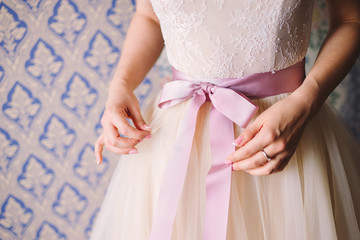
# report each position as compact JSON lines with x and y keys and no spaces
{"x":317,"y":195}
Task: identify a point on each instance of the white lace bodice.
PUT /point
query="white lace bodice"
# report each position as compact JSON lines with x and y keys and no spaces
{"x":234,"y":38}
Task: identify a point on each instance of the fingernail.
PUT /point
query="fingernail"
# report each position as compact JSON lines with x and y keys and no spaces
{"x":228,"y":161}
{"x":133,"y":151}
{"x":147,"y":126}
{"x":237,"y":141}
{"x":232,"y":167}
{"x":98,"y":161}
{"x":148,"y":136}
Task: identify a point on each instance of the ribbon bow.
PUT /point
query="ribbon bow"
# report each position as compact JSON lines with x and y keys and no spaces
{"x":229,"y":104}
{"x":228,"y":107}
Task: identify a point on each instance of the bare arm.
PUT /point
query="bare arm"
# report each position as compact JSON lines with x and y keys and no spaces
{"x":337,"y":54}
{"x":142,"y":47}
{"x":278,"y":129}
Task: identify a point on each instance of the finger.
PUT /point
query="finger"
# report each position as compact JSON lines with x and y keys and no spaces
{"x":249,"y":132}
{"x":269,"y":167}
{"x":99,"y":145}
{"x":121,"y":150}
{"x":258,"y":159}
{"x":121,"y":142}
{"x":282,"y":165}
{"x":111,"y":134}
{"x":254,"y":161}
{"x":256,"y":144}
{"x":138,"y":119}
{"x":126,"y":129}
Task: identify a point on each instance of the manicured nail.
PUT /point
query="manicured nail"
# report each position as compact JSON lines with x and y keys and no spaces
{"x":147,"y":127}
{"x":148,"y":136}
{"x":133,"y":151}
{"x":237,"y":141}
{"x":228,"y":161}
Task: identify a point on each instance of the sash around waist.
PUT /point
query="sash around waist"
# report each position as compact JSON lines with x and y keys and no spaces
{"x":257,"y":85}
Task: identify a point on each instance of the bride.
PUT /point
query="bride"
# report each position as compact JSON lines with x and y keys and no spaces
{"x":287,"y":168}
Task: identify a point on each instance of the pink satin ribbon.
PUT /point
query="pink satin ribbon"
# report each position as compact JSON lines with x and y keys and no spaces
{"x":230,"y":103}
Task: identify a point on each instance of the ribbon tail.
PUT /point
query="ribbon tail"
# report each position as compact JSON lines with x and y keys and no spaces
{"x":218,"y":181}
{"x":175,"y":172}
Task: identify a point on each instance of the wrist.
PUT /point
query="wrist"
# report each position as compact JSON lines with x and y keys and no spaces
{"x":117,"y":90}
{"x":119,"y":83}
{"x":309,"y":94}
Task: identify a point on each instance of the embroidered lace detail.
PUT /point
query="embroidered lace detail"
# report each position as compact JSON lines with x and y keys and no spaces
{"x":231,"y":38}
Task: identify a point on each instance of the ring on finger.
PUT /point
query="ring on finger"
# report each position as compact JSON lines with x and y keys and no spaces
{"x":267,"y":156}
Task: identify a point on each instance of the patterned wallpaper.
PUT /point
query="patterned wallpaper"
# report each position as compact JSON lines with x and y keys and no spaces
{"x":56,"y":59}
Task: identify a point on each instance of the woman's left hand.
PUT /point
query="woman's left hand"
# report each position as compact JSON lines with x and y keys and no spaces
{"x":277,"y":132}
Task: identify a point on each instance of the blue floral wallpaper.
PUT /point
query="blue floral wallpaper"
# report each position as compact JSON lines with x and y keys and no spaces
{"x":56,"y":59}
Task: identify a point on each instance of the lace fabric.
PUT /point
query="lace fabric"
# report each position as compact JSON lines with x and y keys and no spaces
{"x":232,"y":38}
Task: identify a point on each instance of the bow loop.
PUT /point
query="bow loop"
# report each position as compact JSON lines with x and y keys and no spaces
{"x":231,"y":104}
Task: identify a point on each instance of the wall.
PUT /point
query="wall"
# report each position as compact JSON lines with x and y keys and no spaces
{"x":56,"y":59}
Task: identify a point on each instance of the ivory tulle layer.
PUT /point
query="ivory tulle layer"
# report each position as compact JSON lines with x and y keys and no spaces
{"x":317,"y":196}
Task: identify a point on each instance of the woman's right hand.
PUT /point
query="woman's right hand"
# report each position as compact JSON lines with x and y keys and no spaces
{"x":121,"y":105}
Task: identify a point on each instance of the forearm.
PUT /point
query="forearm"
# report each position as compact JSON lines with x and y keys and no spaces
{"x":142,"y":47}
{"x":337,"y":54}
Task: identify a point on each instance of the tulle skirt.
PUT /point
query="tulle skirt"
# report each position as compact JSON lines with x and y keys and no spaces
{"x":317,"y":195}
